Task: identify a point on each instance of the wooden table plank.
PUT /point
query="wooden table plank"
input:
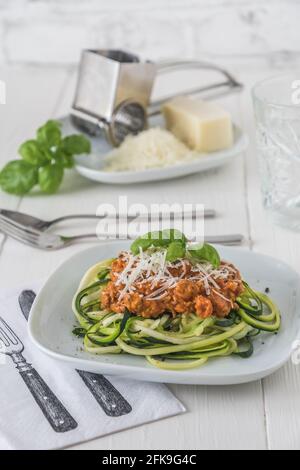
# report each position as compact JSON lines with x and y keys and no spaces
{"x":30,"y":100}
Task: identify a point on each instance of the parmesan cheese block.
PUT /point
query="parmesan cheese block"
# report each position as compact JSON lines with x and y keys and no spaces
{"x":202,"y":125}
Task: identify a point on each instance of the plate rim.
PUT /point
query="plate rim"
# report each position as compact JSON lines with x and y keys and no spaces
{"x":221,"y":157}
{"x":152,"y":375}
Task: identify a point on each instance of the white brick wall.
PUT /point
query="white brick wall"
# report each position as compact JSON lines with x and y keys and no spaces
{"x":54,"y":31}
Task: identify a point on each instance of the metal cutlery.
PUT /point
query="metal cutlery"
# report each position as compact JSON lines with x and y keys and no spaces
{"x":39,"y":224}
{"x":49,"y":241}
{"x":54,"y":411}
{"x":36,"y":238}
{"x":106,"y":395}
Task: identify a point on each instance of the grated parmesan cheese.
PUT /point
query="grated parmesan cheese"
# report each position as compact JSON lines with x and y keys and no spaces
{"x":152,"y":148}
{"x":153,"y":268}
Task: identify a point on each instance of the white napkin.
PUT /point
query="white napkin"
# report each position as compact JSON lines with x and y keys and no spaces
{"x":23,"y":424}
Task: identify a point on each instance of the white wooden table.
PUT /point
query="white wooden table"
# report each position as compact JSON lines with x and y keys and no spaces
{"x":261,"y":415}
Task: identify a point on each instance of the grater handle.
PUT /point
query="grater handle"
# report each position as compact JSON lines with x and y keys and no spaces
{"x":228,"y":85}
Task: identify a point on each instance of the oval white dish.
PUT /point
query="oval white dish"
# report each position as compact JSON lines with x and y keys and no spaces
{"x":51,"y":322}
{"x":91,"y":166}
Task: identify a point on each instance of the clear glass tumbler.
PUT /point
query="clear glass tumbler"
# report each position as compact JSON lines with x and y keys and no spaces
{"x":277,"y":111}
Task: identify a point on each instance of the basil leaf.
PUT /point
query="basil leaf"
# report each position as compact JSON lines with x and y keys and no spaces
{"x":32,"y":152}
{"x":175,"y":251}
{"x":139,"y":243}
{"x":49,"y":134}
{"x":146,"y":241}
{"x":205,"y":252}
{"x":63,"y":159}
{"x":159,"y":238}
{"x":171,"y":235}
{"x":67,"y":161}
{"x":18,"y":177}
{"x":76,"y":144}
{"x":44,"y":160}
{"x":50,"y":177}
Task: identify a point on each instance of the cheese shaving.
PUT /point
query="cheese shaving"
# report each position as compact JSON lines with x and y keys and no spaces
{"x":154,"y":269}
{"x":152,"y":148}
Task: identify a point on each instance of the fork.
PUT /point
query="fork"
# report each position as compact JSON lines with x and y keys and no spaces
{"x":49,"y":241}
{"x":39,"y":224}
{"x":107,"y":396}
{"x":53,"y":410}
{"x":36,"y":238}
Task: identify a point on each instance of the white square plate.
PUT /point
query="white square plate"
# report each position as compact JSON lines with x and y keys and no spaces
{"x":52,"y":320}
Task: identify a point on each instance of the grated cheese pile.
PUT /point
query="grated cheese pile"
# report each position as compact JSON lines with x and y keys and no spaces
{"x":153,"y":267}
{"x":152,"y":148}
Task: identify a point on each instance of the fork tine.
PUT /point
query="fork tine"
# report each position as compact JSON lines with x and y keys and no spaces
{"x":13,"y":223}
{"x":31,"y":237}
{"x":23,"y":234}
{"x":3,"y":340}
{"x":19,"y":238}
{"x":7,"y":223}
{"x":41,"y":243}
{"x":8,"y":332}
{"x":16,"y":232}
{"x":24,"y":242}
{"x":21,"y":231}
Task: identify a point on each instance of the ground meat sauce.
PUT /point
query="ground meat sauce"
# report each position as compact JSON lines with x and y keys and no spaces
{"x":192,"y":292}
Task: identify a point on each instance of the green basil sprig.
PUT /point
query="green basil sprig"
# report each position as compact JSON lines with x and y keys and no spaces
{"x":176,"y":244}
{"x":44,"y":160}
{"x":175,"y":251}
{"x":172,"y":239}
{"x":205,"y":252}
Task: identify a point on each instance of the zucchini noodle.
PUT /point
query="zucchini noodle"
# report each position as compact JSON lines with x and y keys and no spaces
{"x":179,"y":342}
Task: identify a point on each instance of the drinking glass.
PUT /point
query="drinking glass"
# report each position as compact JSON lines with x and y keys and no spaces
{"x":277,"y":111}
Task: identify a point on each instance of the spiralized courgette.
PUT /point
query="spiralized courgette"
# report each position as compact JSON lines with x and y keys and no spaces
{"x":170,"y":342}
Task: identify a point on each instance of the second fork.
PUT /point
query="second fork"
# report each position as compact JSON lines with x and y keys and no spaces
{"x":54,"y":411}
{"x":48,"y":241}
